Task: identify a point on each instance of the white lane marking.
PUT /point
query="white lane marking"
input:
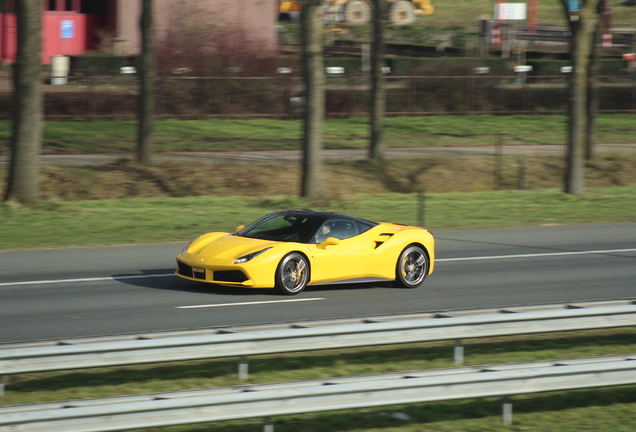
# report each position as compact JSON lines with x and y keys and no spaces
{"x":494,"y":257}
{"x":247,"y":303}
{"x":538,"y":255}
{"x":99,"y":279}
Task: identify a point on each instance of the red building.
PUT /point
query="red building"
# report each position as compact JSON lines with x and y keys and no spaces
{"x":68,"y":27}
{"x":71,"y":27}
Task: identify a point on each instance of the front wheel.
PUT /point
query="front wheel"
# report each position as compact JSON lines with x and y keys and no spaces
{"x":292,"y":274}
{"x":402,"y":12}
{"x":412,"y":267}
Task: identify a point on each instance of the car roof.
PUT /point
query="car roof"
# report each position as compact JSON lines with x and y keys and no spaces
{"x":324,"y":215}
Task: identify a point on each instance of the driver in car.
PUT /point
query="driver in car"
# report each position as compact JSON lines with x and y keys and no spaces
{"x":324,"y":232}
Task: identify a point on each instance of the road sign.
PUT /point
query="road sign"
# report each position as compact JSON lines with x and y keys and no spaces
{"x":510,"y":11}
{"x":67,"y":29}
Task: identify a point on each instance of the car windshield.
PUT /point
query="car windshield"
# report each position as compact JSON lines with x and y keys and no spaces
{"x":284,"y":227}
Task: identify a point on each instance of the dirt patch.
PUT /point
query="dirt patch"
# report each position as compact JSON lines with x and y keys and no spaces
{"x":126,"y":179}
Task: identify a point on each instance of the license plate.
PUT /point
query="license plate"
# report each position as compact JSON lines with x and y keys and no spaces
{"x":198,"y":270}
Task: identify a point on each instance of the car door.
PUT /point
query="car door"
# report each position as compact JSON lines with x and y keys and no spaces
{"x":345,"y":260}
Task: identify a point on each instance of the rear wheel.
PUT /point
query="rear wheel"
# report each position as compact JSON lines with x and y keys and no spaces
{"x":412,"y":267}
{"x":292,"y":274}
{"x":357,"y":12}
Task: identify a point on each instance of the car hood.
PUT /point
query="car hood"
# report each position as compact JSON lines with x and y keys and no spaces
{"x":228,"y":246}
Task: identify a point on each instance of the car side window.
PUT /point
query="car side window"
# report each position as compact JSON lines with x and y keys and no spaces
{"x":362,"y":227}
{"x":338,"y":228}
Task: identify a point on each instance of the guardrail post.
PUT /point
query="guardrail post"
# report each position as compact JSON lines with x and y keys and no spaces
{"x":243,"y":367}
{"x":6,"y":380}
{"x":268,"y":426}
{"x":506,"y":410}
{"x":458,"y":352}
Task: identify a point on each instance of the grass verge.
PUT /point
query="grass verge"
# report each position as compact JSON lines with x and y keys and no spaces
{"x":113,"y":136}
{"x":159,"y":220}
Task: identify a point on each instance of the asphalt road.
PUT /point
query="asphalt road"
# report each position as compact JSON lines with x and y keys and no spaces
{"x":339,"y":154}
{"x":50,"y":294}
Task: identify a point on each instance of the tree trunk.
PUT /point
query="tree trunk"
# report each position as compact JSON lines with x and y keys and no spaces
{"x":26,"y":138}
{"x":314,"y":77}
{"x":592,"y":84}
{"x":582,"y":26}
{"x":147,"y":90}
{"x":378,"y":94}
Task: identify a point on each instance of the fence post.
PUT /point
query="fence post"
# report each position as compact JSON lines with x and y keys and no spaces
{"x":410,"y":94}
{"x":287,"y":111}
{"x":634,"y":92}
{"x":522,"y":174}
{"x":470,"y":90}
{"x":92,"y":96}
{"x":526,"y":94}
{"x":225,"y":94}
{"x":498,"y":161}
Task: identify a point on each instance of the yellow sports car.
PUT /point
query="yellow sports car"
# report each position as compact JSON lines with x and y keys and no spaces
{"x":290,"y":249}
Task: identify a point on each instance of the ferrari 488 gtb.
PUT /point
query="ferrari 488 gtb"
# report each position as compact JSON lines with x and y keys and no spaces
{"x":288,"y":250}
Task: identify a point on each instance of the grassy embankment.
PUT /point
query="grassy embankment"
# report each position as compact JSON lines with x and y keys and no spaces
{"x":101,"y":205}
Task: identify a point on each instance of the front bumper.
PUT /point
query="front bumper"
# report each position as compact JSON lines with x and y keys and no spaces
{"x":217,"y":275}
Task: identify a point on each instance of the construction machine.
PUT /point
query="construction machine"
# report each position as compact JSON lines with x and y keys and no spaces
{"x":359,"y":11}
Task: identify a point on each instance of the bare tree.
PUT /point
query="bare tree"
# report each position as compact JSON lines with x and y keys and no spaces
{"x":583,"y":24}
{"x":378,"y":94}
{"x":147,"y":91}
{"x":26,"y":138}
{"x":314,"y":78}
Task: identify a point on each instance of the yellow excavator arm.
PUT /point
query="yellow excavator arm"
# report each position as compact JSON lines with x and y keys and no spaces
{"x":424,"y":7}
{"x":403,"y":10}
{"x":290,"y":6}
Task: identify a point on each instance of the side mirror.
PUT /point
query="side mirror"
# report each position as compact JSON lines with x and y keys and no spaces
{"x":240,"y":228}
{"x":330,"y":241}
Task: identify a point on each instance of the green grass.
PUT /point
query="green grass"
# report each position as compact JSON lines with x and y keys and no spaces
{"x":266,"y":134}
{"x":155,"y":220}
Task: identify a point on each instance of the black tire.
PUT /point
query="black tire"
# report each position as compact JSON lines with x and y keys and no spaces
{"x":292,"y":274}
{"x":412,"y":267}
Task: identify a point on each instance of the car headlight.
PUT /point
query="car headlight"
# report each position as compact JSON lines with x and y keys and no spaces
{"x":248,"y":257}
{"x":185,"y":248}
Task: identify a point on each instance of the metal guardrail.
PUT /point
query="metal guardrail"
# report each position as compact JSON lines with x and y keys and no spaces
{"x":256,"y":401}
{"x":310,"y":336}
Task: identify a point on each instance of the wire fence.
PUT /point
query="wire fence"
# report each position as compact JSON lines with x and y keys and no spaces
{"x":283,"y":96}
